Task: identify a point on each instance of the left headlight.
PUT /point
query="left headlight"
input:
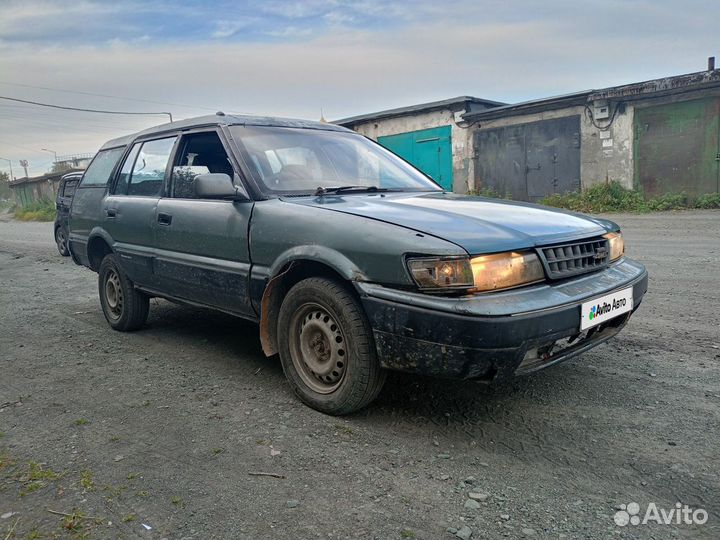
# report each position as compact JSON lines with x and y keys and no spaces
{"x":616,"y":244}
{"x":479,"y":274}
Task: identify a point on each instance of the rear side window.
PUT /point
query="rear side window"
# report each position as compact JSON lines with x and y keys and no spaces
{"x":69,"y":188}
{"x":99,"y":171}
{"x":148,"y":173}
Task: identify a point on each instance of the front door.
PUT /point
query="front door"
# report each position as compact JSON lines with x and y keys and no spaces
{"x":202,"y":250}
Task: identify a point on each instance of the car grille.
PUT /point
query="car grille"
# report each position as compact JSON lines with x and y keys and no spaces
{"x":565,"y":260}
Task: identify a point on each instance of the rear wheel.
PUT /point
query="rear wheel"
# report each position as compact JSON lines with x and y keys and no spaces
{"x":326,"y":347}
{"x":124,"y":307}
{"x":61,"y":239}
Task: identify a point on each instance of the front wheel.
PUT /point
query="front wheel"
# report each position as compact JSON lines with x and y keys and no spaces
{"x":61,"y":239}
{"x":327,"y":348}
{"x":124,"y":307}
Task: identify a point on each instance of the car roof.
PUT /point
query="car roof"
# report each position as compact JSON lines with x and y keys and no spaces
{"x":224,"y":120}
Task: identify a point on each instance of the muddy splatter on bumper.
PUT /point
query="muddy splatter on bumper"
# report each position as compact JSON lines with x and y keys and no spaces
{"x":493,"y":337}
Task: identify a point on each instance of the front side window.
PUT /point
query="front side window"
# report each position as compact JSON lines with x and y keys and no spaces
{"x":301,"y":160}
{"x":199,"y":153}
{"x":99,"y":171}
{"x":148,"y":172}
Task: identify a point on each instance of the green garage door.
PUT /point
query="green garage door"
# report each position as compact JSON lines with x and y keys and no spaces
{"x":677,"y":147}
{"x":430,"y":150}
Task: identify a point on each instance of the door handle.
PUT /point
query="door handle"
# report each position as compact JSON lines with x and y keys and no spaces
{"x":111,"y":212}
{"x":164,"y":219}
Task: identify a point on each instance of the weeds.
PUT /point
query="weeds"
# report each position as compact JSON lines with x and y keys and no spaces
{"x":709,"y":200}
{"x":347,"y":430}
{"x":86,"y":480}
{"x":41,"y":210}
{"x":81,"y":422}
{"x":612,"y":197}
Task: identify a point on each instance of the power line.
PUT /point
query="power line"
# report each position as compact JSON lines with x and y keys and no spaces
{"x":109,"y":96}
{"x":80,"y":109}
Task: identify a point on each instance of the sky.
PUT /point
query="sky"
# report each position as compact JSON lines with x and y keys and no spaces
{"x":298,"y":58}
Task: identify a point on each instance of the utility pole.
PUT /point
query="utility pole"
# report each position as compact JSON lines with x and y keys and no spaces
{"x":10,"y":162}
{"x":24,"y":165}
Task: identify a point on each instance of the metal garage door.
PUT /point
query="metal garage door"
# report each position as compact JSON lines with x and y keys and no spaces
{"x":430,"y":150}
{"x":677,"y":147}
{"x":529,"y":161}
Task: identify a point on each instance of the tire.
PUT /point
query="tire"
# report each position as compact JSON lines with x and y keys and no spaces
{"x":124,"y":307}
{"x":61,"y":240}
{"x":326,"y":347}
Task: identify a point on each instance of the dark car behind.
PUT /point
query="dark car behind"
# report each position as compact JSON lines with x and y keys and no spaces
{"x":66,"y":190}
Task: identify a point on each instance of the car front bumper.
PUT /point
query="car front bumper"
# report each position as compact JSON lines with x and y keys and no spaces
{"x":493,"y":337}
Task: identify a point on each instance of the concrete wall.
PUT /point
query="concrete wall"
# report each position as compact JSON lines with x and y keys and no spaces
{"x":461,"y":139}
{"x":605,"y":154}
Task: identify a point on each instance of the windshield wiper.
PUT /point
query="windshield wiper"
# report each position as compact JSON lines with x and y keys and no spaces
{"x":341,"y":189}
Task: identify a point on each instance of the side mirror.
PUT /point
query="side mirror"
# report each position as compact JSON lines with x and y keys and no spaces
{"x":217,"y":186}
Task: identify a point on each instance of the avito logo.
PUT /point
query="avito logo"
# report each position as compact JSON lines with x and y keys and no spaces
{"x":598,"y":310}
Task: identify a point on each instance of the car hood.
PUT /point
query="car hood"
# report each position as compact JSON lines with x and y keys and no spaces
{"x":477,"y":224}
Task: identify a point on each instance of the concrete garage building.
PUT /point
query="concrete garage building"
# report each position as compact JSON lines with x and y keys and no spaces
{"x":659,"y":136}
{"x":432,"y":136}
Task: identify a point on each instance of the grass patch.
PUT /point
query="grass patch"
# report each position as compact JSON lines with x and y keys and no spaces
{"x":81,"y":422}
{"x":709,"y":200}
{"x":176,"y":500}
{"x":347,"y":430}
{"x":86,"y":480}
{"x":42,"y":210}
{"x":612,"y":197}
{"x":407,"y":533}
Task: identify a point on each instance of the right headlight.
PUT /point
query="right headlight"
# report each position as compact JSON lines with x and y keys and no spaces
{"x":505,"y":270}
{"x":478,"y":274}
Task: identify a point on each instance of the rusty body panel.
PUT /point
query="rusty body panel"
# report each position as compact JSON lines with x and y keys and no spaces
{"x":677,"y":148}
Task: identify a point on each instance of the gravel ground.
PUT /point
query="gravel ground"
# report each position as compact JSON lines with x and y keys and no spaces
{"x":154,"y":434}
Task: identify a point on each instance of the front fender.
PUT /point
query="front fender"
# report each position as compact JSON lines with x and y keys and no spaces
{"x":318,"y":254}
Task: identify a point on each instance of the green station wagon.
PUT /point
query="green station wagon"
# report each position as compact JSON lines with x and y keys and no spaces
{"x":352,"y":261}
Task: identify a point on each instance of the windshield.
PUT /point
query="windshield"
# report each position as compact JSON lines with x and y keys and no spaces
{"x":294,"y":160}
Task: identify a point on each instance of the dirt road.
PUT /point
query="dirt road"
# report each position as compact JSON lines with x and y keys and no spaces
{"x":154,"y":434}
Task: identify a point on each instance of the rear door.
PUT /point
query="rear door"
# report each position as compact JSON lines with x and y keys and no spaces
{"x":129,"y":210}
{"x":86,"y":211}
{"x":202,"y":250}
{"x":65,"y":196}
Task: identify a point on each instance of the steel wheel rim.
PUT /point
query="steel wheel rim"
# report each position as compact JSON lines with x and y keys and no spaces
{"x":60,"y":239}
{"x":318,"y":348}
{"x":114,"y":294}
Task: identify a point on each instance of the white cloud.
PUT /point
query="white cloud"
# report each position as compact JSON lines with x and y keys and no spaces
{"x":435,"y":54}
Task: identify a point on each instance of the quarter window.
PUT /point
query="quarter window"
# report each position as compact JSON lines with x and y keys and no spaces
{"x":99,"y":171}
{"x":148,"y":173}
